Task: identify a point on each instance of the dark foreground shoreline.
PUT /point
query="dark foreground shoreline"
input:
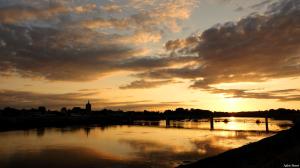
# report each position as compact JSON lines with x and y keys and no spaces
{"x":280,"y":150}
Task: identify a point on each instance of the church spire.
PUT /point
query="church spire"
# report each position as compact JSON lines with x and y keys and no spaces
{"x":88,"y":107}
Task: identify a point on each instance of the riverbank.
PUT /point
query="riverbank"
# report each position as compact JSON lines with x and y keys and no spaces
{"x":23,"y":123}
{"x":280,"y":150}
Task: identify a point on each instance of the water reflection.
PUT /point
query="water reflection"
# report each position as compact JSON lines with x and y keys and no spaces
{"x":146,"y":144}
{"x":223,"y":123}
{"x":75,"y":157}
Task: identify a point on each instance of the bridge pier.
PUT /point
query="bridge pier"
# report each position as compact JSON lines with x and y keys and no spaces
{"x":211,"y":120}
{"x":167,"y":123}
{"x":267,"y":123}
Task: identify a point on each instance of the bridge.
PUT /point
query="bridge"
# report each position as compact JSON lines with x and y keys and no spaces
{"x":212,"y":121}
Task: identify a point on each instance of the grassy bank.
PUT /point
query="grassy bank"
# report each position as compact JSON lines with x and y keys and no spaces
{"x":280,"y":150}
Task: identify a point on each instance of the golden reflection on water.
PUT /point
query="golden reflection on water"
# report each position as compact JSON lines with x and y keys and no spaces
{"x":151,"y":145}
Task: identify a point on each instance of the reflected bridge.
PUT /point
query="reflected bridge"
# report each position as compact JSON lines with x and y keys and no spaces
{"x":212,"y":120}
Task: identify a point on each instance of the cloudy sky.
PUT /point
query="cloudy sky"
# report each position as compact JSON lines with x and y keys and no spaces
{"x":223,"y":55}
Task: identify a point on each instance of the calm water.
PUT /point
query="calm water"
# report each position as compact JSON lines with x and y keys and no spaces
{"x":146,"y":144}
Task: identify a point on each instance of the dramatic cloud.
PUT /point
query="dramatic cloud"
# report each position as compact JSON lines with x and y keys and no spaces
{"x":85,"y":40}
{"x":256,"y":48}
{"x":58,"y":55}
{"x":76,"y":41}
{"x":70,"y":56}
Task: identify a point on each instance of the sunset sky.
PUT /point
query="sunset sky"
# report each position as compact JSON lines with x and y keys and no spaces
{"x":221,"y":55}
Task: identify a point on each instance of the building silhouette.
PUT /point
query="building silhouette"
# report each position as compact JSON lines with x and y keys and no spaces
{"x":88,"y":107}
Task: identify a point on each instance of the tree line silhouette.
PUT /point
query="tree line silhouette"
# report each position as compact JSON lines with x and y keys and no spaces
{"x":11,"y":118}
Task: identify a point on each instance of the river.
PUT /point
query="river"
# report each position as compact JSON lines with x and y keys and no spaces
{"x":162,"y":144}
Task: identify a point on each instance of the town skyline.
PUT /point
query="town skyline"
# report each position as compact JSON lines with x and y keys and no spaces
{"x":88,"y":108}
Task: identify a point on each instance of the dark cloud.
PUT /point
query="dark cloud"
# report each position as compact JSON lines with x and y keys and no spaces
{"x":60,"y":41}
{"x":182,"y":43}
{"x":57,"y":54}
{"x":150,"y":62}
{"x":186,"y":72}
{"x":142,"y":84}
{"x":70,"y":55}
{"x":182,"y":46}
{"x":256,"y":48}
{"x":22,"y":13}
{"x":281,"y":95}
